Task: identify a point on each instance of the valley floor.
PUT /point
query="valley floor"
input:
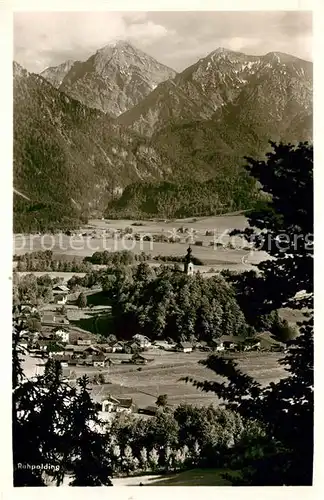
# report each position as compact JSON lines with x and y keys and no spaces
{"x":102,"y":238}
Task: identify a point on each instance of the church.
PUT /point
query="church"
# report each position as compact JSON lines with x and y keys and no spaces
{"x":188,"y":264}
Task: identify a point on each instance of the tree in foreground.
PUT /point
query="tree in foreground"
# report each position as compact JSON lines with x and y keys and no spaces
{"x":283,"y":454}
{"x":56,"y":429}
{"x":89,"y":460}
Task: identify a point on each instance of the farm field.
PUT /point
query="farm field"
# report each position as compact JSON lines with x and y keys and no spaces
{"x":219,"y":258}
{"x":162,"y":376}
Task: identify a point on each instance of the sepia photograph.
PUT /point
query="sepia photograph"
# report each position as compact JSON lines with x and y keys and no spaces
{"x":162,"y":267}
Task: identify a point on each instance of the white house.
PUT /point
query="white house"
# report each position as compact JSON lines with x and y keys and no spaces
{"x":39,"y":369}
{"x":117,"y":347}
{"x":62,"y":334}
{"x":60,"y":293}
{"x":142,"y":340}
{"x":84,"y":342}
{"x":99,"y":360}
{"x":184,"y":347}
{"x":109,"y":404}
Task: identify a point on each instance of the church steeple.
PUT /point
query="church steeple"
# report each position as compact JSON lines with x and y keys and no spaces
{"x":188,"y":265}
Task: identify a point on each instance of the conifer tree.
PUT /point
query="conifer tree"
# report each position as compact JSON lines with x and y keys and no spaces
{"x":88,"y":447}
{"x":284,"y":410}
{"x":56,"y":428}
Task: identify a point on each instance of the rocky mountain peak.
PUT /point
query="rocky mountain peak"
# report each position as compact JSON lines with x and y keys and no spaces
{"x":114,"y":79}
{"x":225,"y":81}
{"x":222,"y":52}
{"x":55,"y":74}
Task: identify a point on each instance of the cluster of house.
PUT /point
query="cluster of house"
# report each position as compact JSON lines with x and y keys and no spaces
{"x":111,"y":404}
{"x":94,"y":356}
{"x":84,"y":351}
{"x":224,"y":343}
{"x":55,"y":344}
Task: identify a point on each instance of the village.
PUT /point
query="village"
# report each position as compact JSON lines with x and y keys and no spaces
{"x":108,"y":360}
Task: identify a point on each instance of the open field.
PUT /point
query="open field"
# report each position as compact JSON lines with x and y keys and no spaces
{"x":216,"y":257}
{"x":162,"y":376}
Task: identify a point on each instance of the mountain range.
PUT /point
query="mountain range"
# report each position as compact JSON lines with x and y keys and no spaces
{"x":113,"y":80}
{"x":124,"y":131}
{"x":229,"y":85}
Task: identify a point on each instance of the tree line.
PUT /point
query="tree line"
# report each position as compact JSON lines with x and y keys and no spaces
{"x":232,"y":189}
{"x":178,"y":438}
{"x":44,"y":260}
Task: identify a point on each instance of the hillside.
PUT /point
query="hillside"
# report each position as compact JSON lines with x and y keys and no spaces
{"x":261,"y":99}
{"x":71,"y":161}
{"x":229,"y":87}
{"x":113,"y":80}
{"x":229,"y":190}
{"x":68,"y":157}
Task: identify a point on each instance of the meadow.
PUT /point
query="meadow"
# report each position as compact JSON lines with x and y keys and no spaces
{"x":103,"y":235}
{"x":162,"y":376}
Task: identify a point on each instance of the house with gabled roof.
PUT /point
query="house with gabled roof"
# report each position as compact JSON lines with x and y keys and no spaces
{"x":60,"y":293}
{"x":99,"y":360}
{"x":119,"y":405}
{"x":84,"y":341}
{"x":251,"y":344}
{"x":143,"y":341}
{"x":217,"y":344}
{"x":117,"y":346}
{"x":63,"y":359}
{"x":81,"y":350}
{"x":106,"y":348}
{"x":231,"y":342}
{"x":132,"y":347}
{"x":53,"y":319}
{"x":184,"y":347}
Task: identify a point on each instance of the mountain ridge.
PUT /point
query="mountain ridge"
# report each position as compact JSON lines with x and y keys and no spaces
{"x":202,"y":123}
{"x":204,"y":89}
{"x":113,"y":79}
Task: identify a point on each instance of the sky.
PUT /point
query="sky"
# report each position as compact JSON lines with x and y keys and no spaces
{"x":177,"y":39}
